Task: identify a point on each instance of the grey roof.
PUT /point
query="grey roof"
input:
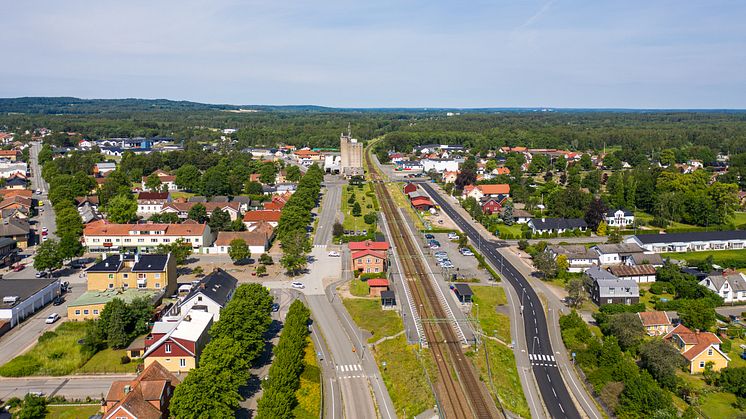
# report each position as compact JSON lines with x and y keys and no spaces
{"x":242,"y":199}
{"x":197,"y":199}
{"x":14,"y":227}
{"x":736,"y":282}
{"x":463,"y":289}
{"x":16,"y":181}
{"x":573,"y":251}
{"x":388,"y":295}
{"x":558,"y":223}
{"x":217,"y":286}
{"x":151,"y":263}
{"x":22,"y":288}
{"x":618,"y":248}
{"x":692,"y":237}
{"x":6,"y":241}
{"x":219,"y":198}
{"x":654,"y":259}
{"x":598,"y":274}
{"x":627,"y":213}
{"x":110,"y":264}
{"x":622,"y":288}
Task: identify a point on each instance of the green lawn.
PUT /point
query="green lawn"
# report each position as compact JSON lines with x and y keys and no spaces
{"x":72,"y":412}
{"x":504,"y":375}
{"x":724,"y":258}
{"x":309,"y":393}
{"x":404,"y":376}
{"x":109,"y":361}
{"x":351,"y":222}
{"x":187,"y":195}
{"x":739,"y":218}
{"x":57,"y":353}
{"x":735,"y":352}
{"x":719,"y":405}
{"x":649,"y":299}
{"x":367,"y":314}
{"x":488,"y":299}
{"x":359,"y":288}
{"x":511,"y":231}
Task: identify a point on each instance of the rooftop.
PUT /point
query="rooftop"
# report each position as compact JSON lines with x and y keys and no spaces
{"x":22,"y":288}
{"x":103,"y":297}
{"x":692,"y":237}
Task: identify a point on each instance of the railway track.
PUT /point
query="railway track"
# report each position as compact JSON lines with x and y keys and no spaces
{"x":460,"y":392}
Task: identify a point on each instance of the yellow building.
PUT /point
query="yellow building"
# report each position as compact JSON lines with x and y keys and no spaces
{"x":177,"y":343}
{"x":90,"y":305}
{"x":151,"y":272}
{"x":699,"y":349}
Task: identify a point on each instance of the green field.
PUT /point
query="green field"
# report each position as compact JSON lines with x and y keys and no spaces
{"x":309,"y":393}
{"x":72,"y":412}
{"x":488,"y":299}
{"x":109,"y":361}
{"x":359,"y":288}
{"x":511,"y":231}
{"x":185,"y":195}
{"x":356,"y":223}
{"x":719,"y":405}
{"x":649,"y":299}
{"x":725,"y":258}
{"x":57,"y":353}
{"x":739,"y":218}
{"x":404,"y":376}
{"x":368,"y":315}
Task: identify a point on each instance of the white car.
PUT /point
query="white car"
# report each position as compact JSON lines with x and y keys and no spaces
{"x":52,"y":318}
{"x":298,"y":285}
{"x":334,"y":254}
{"x":453,"y":236}
{"x":44,"y":238}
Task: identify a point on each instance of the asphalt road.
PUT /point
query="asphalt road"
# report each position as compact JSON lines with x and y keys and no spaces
{"x":72,"y":386}
{"x":554,"y":391}
{"x":328,"y":214}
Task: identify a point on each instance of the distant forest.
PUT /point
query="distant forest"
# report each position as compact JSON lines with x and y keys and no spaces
{"x":633,"y":136}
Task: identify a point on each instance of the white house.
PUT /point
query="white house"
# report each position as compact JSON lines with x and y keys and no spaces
{"x":440,"y":165}
{"x":102,"y":236}
{"x":20,"y":298}
{"x":620,"y":218}
{"x":578,"y":257}
{"x":211,"y":294}
{"x":690,"y":242}
{"x":152,"y":202}
{"x":556,"y":225}
{"x":731,"y":286}
{"x":258,"y":239}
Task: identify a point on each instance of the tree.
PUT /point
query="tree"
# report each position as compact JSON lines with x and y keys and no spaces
{"x":179,"y":249}
{"x":337,"y":229}
{"x":615,"y":236}
{"x":697,"y":314}
{"x":294,"y":250}
{"x":370,"y":218}
{"x":48,"y":256}
{"x":468,"y":174}
{"x":585,"y":161}
{"x":661,"y":360}
{"x":261,"y":270}
{"x":356,"y":210}
{"x":293,"y":174}
{"x":115,"y":321}
{"x":33,"y":407}
{"x":238,"y":250}
{"x":627,"y":328}
{"x":205,"y":392}
{"x":576,"y":293}
{"x":267,"y":173}
{"x":562,"y":265}
{"x":219,"y":220}
{"x":507,"y":215}
{"x":165,"y":218}
{"x":733,"y":379}
{"x":198,"y":213}
{"x":237,"y":224}
{"x":68,"y":221}
{"x":70,"y":247}
{"x":254,"y":188}
{"x":188,"y":177}
{"x":642,"y":397}
{"x":545,"y":263}
{"x":601,"y":229}
{"x":266,"y":259}
{"x":153,"y":183}
{"x":121,"y":209}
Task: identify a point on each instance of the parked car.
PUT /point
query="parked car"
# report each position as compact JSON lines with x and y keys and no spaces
{"x":429,"y":236}
{"x":44,"y":230}
{"x":52,"y":318}
{"x":446,"y":264}
{"x":453,"y":236}
{"x":440,"y":253}
{"x":275,"y":307}
{"x":44,"y":238}
{"x":334,"y":254}
{"x":41,"y":274}
{"x":298,"y":285}
{"x":466,"y":251}
{"x":58,"y":301}
{"x":19,"y":267}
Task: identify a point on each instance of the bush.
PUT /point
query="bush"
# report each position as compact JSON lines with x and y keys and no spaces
{"x":125,"y":360}
{"x":367,"y":276}
{"x":266,"y":259}
{"x":47,"y":336}
{"x":21,"y":366}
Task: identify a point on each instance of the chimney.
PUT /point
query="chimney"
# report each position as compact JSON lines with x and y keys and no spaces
{"x":121,"y":258}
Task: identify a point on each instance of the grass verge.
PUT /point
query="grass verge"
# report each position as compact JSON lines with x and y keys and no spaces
{"x":404,"y":376}
{"x":351,"y":222}
{"x":505,"y":382}
{"x":368,"y":315}
{"x":401,"y":201}
{"x":109,"y":361}
{"x":72,"y":412}
{"x":359,"y":288}
{"x":725,"y":258}
{"x":57,"y":353}
{"x":489,"y":298}
{"x":309,"y":392}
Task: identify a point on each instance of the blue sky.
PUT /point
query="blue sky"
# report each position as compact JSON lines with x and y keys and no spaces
{"x":383,"y":53}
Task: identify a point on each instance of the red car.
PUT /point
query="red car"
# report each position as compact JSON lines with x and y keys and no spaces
{"x":19,"y":267}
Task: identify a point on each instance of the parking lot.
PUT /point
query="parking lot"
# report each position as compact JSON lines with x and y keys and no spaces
{"x":465,"y":267}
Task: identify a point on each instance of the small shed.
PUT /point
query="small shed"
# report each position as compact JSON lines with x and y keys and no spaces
{"x":377,"y":286}
{"x":388,"y":299}
{"x":463,"y":292}
{"x":409,"y":187}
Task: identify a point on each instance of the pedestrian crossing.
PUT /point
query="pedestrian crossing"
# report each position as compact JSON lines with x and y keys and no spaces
{"x":350,"y":371}
{"x":542,"y":360}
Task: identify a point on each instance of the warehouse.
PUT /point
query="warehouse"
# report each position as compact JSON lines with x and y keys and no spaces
{"x":23,"y":297}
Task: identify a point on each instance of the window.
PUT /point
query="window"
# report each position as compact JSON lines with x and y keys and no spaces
{"x":168,"y":348}
{"x":157,"y":284}
{"x":611,"y":290}
{"x":125,"y":285}
{"x":142,"y":276}
{"x":182,"y":362}
{"x":111,"y":285}
{"x":376,"y":270}
{"x":701,"y":364}
{"x":77,"y":312}
{"x":85,"y":311}
{"x":141,"y":285}
{"x":199,"y":298}
{"x":111,"y":276}
{"x":709,"y":352}
{"x":368,"y":260}
{"x":154,"y":240}
{"x":127,"y":240}
{"x":125,"y":276}
{"x":95,"y":311}
{"x":141,"y":240}
{"x":157,"y":276}
{"x":608,"y":301}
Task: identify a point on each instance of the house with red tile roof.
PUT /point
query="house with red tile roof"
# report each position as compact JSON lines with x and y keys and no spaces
{"x":368,"y":245}
{"x":146,"y":397}
{"x":152,"y":202}
{"x":376,"y":286}
{"x":369,"y":261}
{"x":269,"y":216}
{"x":698,"y":348}
{"x":479,"y":191}
{"x":656,"y":323}
{"x":103,"y":236}
{"x":166,"y":178}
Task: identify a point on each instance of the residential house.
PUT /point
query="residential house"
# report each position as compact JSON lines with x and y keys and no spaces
{"x":103,"y":169}
{"x":520,"y":216}
{"x":20,"y":204}
{"x":368,"y":245}
{"x":450,"y":176}
{"x":102,"y":236}
{"x":16,"y":182}
{"x":376,"y":286}
{"x":698,"y":348}
{"x":250,"y":218}
{"x":146,"y":397}
{"x":259,"y":239}
{"x":90,"y":304}
{"x":578,"y":256}
{"x":615,"y":254}
{"x":440,"y":165}
{"x":181,"y":209}
{"x":9,"y":170}
{"x":369,"y":261}
{"x":168,"y":180}
{"x":212,"y":292}
{"x":12,"y":155}
{"x":16,"y":229}
{"x":409,"y":188}
{"x":731,"y":285}
{"x":556,"y":225}
{"x":177,"y":343}
{"x":690,"y":242}
{"x":656,"y":323}
{"x":609,"y":289}
{"x":8,"y":251}
{"x":493,"y":205}
{"x":479,"y":191}
{"x":89,"y":213}
{"x":637,"y":273}
{"x":620,"y":218}
{"x":149,"y":203}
